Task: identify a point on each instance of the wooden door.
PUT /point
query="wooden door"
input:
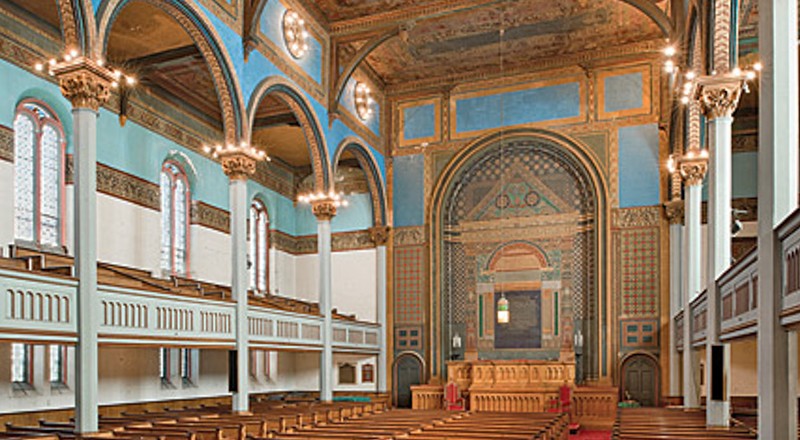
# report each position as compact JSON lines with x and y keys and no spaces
{"x":408,"y":372}
{"x":641,"y":380}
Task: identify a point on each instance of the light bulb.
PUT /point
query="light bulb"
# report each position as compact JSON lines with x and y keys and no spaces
{"x":690,"y":75}
{"x":73,"y":53}
{"x":758,"y":66}
{"x":669,"y":51}
{"x":39,"y":67}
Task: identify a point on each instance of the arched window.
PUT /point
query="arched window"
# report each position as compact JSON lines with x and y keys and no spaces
{"x":259,"y":246}
{"x":38,"y":175}
{"x":175,"y":202}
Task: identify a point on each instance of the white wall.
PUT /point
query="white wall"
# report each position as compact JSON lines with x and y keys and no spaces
{"x":354,"y":283}
{"x":6,"y":205}
{"x":127,"y":234}
{"x":126,"y":375}
{"x":306,"y":277}
{"x":358,"y":360}
{"x":210,"y":255}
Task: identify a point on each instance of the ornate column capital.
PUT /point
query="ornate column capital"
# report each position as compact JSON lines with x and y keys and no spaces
{"x":238,"y":166}
{"x":674,"y":211}
{"x":693,"y":167}
{"x":84,"y":83}
{"x":379,"y":235}
{"x":719,"y":95}
{"x":324,"y":209}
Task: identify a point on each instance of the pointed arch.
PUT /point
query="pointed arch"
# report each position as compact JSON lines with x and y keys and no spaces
{"x":309,"y":123}
{"x":369,"y":165}
{"x":208,"y":41}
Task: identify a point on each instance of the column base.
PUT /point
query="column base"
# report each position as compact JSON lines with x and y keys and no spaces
{"x":718,"y":413}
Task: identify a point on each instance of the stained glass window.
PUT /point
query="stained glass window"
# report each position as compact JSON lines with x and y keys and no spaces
{"x":58,"y":364}
{"x":175,"y":202}
{"x":21,"y":355}
{"x":38,"y":181}
{"x":163,"y":364}
{"x":259,"y":246}
{"x":186,"y":364}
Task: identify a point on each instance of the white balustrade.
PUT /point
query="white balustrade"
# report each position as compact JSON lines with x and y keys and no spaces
{"x":42,"y":307}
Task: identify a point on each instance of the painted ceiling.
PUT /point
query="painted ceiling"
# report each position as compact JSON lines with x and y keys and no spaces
{"x":445,"y":40}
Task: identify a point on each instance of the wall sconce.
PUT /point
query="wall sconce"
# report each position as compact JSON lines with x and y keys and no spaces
{"x":503,"y":314}
{"x":363,"y":100}
{"x":295,"y":35}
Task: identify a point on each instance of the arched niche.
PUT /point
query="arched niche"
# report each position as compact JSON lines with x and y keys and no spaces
{"x":528,"y":221}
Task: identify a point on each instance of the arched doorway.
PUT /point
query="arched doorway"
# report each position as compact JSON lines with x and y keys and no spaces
{"x":640,"y":379}
{"x":409,"y":370}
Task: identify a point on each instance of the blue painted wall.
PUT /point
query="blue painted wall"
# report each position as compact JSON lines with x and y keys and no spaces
{"x":409,"y":193}
{"x":518,"y":107}
{"x":638,"y":166}
{"x":272,"y":27}
{"x":623,"y":92}
{"x":348,"y":101}
{"x":419,"y":122}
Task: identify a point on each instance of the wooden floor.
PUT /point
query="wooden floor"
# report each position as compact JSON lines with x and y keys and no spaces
{"x":679,"y":424}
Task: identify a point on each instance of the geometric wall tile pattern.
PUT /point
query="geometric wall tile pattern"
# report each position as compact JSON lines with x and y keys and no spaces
{"x":409,"y":284}
{"x":639,"y":251}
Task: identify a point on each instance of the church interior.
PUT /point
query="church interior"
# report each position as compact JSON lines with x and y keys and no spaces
{"x":399,"y":219}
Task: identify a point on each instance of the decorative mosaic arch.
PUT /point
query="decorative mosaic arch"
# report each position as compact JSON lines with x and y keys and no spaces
{"x":208,"y":42}
{"x":309,"y":123}
{"x":592,"y":171}
{"x":77,"y":24}
{"x":367,"y":162}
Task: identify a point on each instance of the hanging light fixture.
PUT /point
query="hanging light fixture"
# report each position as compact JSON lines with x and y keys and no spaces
{"x":503,"y":314}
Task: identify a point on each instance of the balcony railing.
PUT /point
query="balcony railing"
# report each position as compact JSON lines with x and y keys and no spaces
{"x":39,"y":307}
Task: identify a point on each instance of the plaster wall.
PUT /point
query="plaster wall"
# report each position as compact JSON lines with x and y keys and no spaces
{"x":130,"y":375}
{"x":210,"y":255}
{"x":6,"y":204}
{"x":128,"y":234}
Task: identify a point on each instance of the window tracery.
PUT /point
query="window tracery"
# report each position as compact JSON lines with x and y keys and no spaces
{"x":259,"y":246}
{"x":175,"y":202}
{"x":38,"y":175}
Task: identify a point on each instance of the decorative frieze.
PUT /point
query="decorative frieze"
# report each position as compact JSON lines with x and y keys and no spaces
{"x":6,"y":144}
{"x":408,"y":236}
{"x":307,"y":244}
{"x":119,"y":184}
{"x":638,"y":217}
{"x":211,"y":217}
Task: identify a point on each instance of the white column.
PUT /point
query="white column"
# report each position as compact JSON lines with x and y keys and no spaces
{"x":777,"y":198}
{"x":239,"y":162}
{"x":719,"y":96}
{"x":693,"y":168}
{"x":87,"y":87}
{"x":381,"y":317}
{"x":238,"y":206}
{"x":86,"y":367}
{"x":324,"y":211}
{"x":675,"y":292}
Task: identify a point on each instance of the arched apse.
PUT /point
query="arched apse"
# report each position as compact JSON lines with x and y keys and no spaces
{"x":543,"y":188}
{"x":369,"y":166}
{"x":209,"y":44}
{"x":302,"y":114}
